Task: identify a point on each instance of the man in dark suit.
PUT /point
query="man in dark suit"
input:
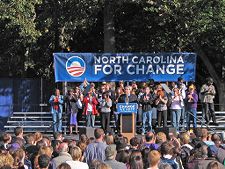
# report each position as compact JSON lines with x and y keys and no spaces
{"x":128,"y":97}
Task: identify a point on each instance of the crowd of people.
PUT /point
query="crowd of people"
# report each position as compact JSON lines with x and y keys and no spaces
{"x":199,"y":149}
{"x":157,"y":104}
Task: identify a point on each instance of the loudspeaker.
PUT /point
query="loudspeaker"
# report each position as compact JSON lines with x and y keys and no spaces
{"x":166,"y":130}
{"x":89,"y":131}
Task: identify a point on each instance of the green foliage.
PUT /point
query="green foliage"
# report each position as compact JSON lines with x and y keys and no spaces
{"x":33,"y":29}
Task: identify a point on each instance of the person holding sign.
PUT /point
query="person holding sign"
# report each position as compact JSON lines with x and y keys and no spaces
{"x":56,"y":102}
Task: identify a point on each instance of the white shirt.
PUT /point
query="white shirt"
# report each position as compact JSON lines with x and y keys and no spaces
{"x":77,"y":165}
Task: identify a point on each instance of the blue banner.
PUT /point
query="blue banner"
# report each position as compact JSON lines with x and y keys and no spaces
{"x":127,"y":108}
{"x":97,"y":67}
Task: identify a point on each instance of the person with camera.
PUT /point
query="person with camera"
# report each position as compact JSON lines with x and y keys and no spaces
{"x":56,"y":101}
{"x":207,"y":95}
{"x":105,"y":105}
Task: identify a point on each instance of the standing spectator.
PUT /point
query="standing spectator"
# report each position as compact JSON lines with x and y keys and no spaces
{"x":176,"y":108}
{"x":110,"y":153}
{"x":161,"y":102}
{"x":72,"y":109}
{"x":76,"y":163}
{"x":18,"y":131}
{"x":154,"y":159}
{"x":182,"y":90}
{"x":167,"y":155}
{"x":208,"y":93}
{"x":96,"y":150}
{"x":56,"y":102}
{"x":63,"y":155}
{"x":136,"y":161}
{"x":146,"y":102}
{"x":105,"y":104}
{"x":43,"y":161}
{"x":90,"y":110}
{"x":7,"y":138}
{"x":191,"y":106}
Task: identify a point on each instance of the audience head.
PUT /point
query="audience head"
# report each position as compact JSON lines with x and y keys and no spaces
{"x":7,"y":138}
{"x":110,"y":152}
{"x":43,"y":161}
{"x":18,"y":131}
{"x":149,"y":136}
{"x":167,"y":148}
{"x":154,"y":158}
{"x":134,"y":142}
{"x":136,"y":161}
{"x":76,"y":153}
{"x":64,"y":166}
{"x":99,"y":133}
{"x":160,"y":137}
{"x":63,"y":147}
{"x":109,"y":139}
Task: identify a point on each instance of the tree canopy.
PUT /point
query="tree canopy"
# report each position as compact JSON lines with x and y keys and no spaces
{"x":31,"y":30}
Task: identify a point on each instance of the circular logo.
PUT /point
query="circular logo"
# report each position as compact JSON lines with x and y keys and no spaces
{"x":75,"y":66}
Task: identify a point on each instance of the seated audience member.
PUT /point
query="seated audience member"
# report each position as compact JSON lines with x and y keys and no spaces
{"x":154,"y":159}
{"x":110,"y":153}
{"x":76,"y":163}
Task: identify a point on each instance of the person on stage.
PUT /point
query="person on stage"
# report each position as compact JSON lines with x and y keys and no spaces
{"x":90,"y":102}
{"x":208,"y":93}
{"x":146,"y":101}
{"x":105,"y":105}
{"x":176,"y":108}
{"x":127,"y":97}
{"x":161,"y":103}
{"x":72,"y":109}
{"x":191,"y":106}
{"x":56,"y":101}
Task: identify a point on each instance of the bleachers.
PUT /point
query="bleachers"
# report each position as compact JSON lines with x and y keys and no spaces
{"x":42,"y":122}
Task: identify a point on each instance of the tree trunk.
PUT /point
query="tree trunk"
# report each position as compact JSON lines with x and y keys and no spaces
{"x":109,"y":29}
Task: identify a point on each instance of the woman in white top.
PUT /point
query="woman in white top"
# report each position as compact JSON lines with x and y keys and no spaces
{"x":76,"y":154}
{"x":176,"y":107}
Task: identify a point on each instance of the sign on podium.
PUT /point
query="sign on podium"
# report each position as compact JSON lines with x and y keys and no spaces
{"x":128,"y":113}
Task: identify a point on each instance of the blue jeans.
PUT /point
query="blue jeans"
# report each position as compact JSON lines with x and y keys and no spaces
{"x":57,"y":121}
{"x":145,"y":116}
{"x":190,"y":113}
{"x":176,"y":114}
{"x":90,"y":119}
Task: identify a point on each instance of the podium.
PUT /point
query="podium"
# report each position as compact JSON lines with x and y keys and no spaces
{"x":128,"y":113}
